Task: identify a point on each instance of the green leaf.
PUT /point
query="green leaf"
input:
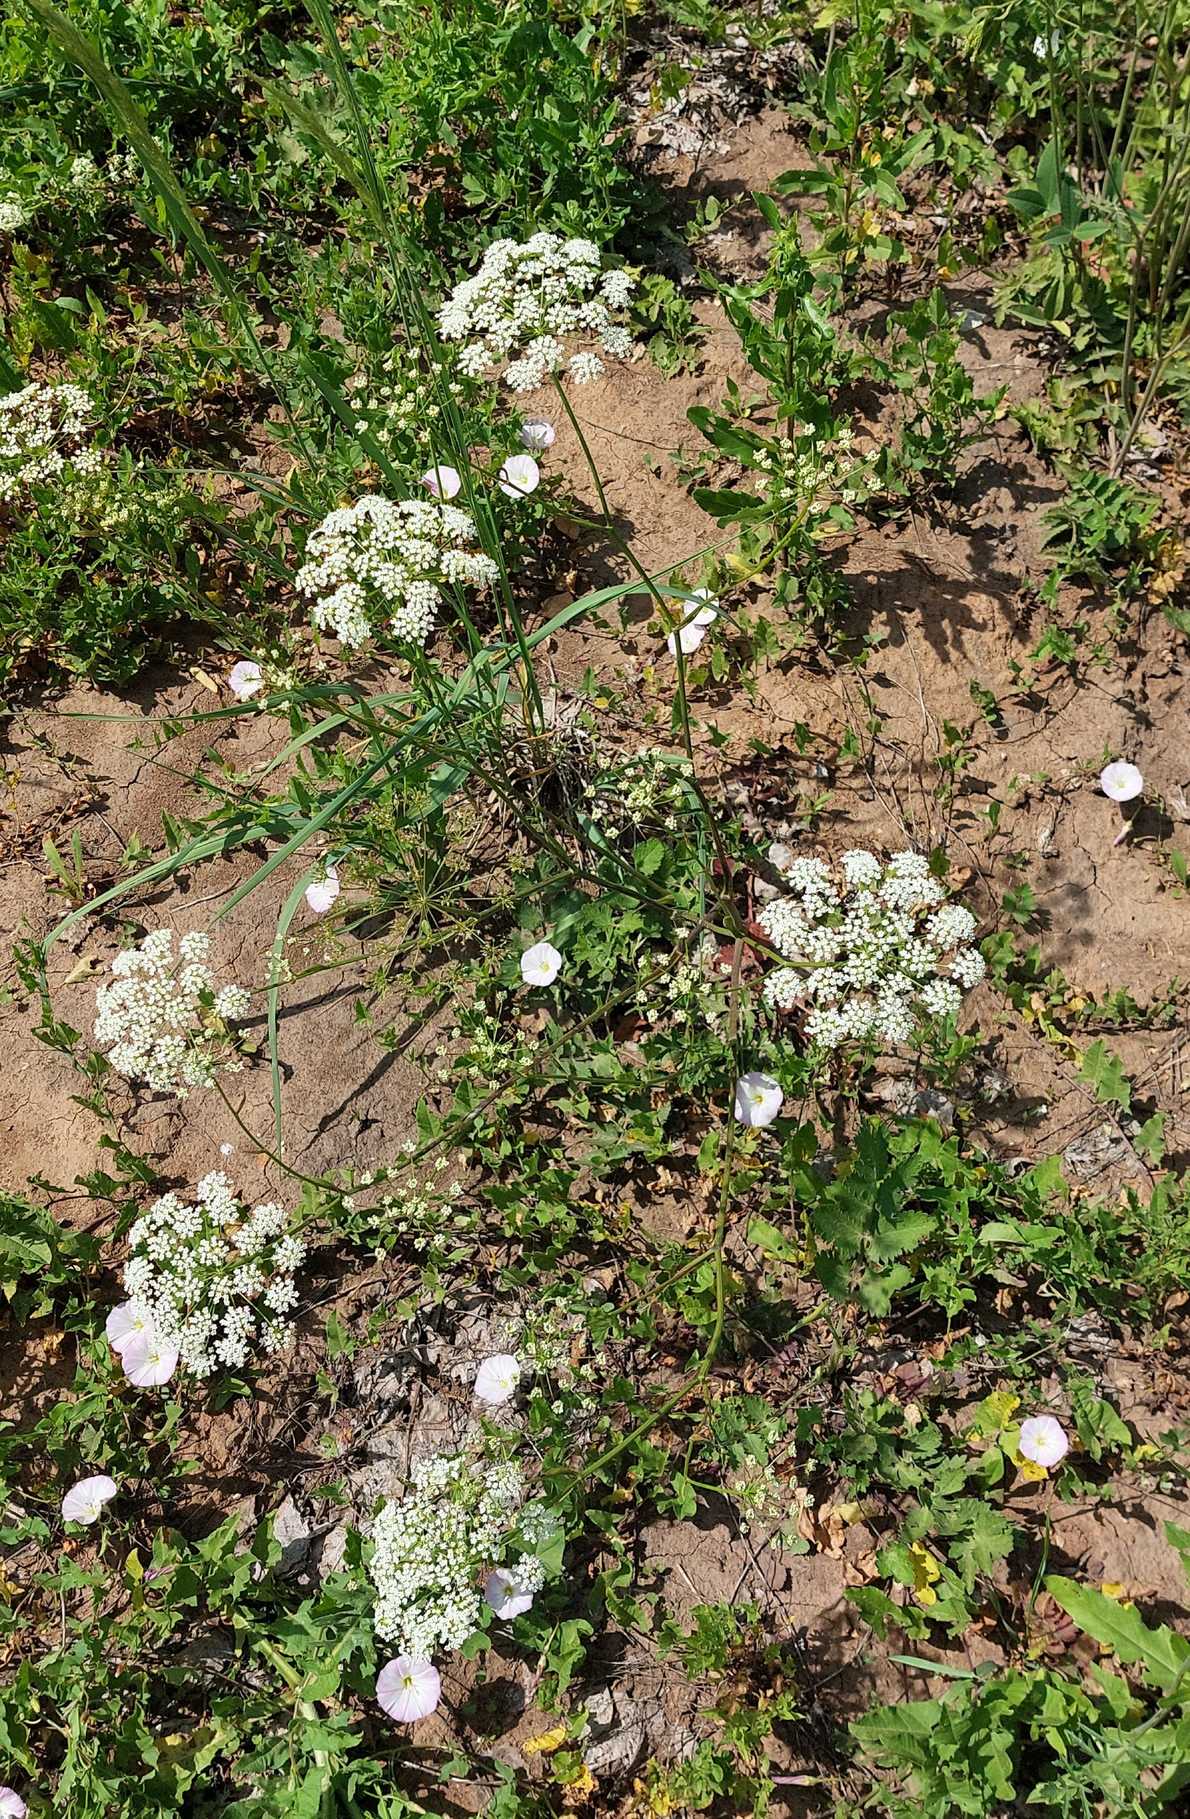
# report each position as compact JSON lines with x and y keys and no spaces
{"x":1105,"y":1073}
{"x":1161,"y":1652}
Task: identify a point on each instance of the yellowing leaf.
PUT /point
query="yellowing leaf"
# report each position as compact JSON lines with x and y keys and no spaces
{"x":543,"y":1744}
{"x":926,"y":1573}
{"x":579,"y":1781}
{"x":996,"y":1411}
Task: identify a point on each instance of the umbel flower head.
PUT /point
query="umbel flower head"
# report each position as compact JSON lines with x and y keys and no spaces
{"x":164,"y":1021}
{"x":45,"y":432}
{"x":208,"y":1285}
{"x":526,"y":300}
{"x":377,"y":563}
{"x":431,"y":1548}
{"x":878,"y":951}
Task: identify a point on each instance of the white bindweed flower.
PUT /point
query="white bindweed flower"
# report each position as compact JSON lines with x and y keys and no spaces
{"x":506,"y":1593}
{"x":444,"y":482}
{"x":1043,"y":1440}
{"x":321,"y":894}
{"x":408,"y":1689}
{"x":1122,"y":782}
{"x":693,"y":629}
{"x":245,"y":679}
{"x":540,"y":964}
{"x":84,"y":1500}
{"x":537,"y":434}
{"x":11,"y":1804}
{"x":497,"y":1378}
{"x":126,"y":1323}
{"x":519,"y":476}
{"x":147,"y":1362}
{"x":758,"y":1100}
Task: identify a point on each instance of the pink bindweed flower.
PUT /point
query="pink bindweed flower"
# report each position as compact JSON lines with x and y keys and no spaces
{"x":245,"y":679}
{"x":321,"y":894}
{"x":84,"y":1500}
{"x":123,"y":1325}
{"x":540,"y":964}
{"x":444,"y":482}
{"x":1122,"y":782}
{"x":758,"y":1100}
{"x":408,"y":1688}
{"x":537,"y":434}
{"x":519,"y":477}
{"x":504,"y":1593}
{"x":147,"y":1362}
{"x":497,"y":1378}
{"x":693,"y":628}
{"x":11,"y":1804}
{"x":1043,"y":1441}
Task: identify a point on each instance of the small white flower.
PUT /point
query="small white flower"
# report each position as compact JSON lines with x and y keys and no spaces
{"x":245,"y":679}
{"x":321,"y":894}
{"x":147,"y":1362}
{"x":540,"y":964}
{"x":444,"y":482}
{"x":124,"y":1324}
{"x":505,"y":1593}
{"x":537,"y":434}
{"x":1043,"y":1440}
{"x":758,"y":1100}
{"x":11,"y":1804}
{"x":84,"y":1500}
{"x":1122,"y":782}
{"x":497,"y":1378}
{"x":693,"y":629}
{"x":408,"y":1688}
{"x":227,"y":1149}
{"x":519,"y":476}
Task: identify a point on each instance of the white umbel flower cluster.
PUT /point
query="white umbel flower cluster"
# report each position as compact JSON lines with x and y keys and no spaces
{"x":525,"y":298}
{"x":212,"y":1281}
{"x":164,"y":1021}
{"x":375,"y":560}
{"x":45,"y":430}
{"x":431,"y":1548}
{"x":13,"y":214}
{"x":877,"y":950}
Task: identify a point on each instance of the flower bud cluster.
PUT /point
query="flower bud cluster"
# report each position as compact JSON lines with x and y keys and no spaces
{"x":211,"y":1281}
{"x":431,"y":1548}
{"x":878,"y":951}
{"x":45,"y":433}
{"x":376,"y":561}
{"x":164,"y":1021}
{"x":525,"y":298}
